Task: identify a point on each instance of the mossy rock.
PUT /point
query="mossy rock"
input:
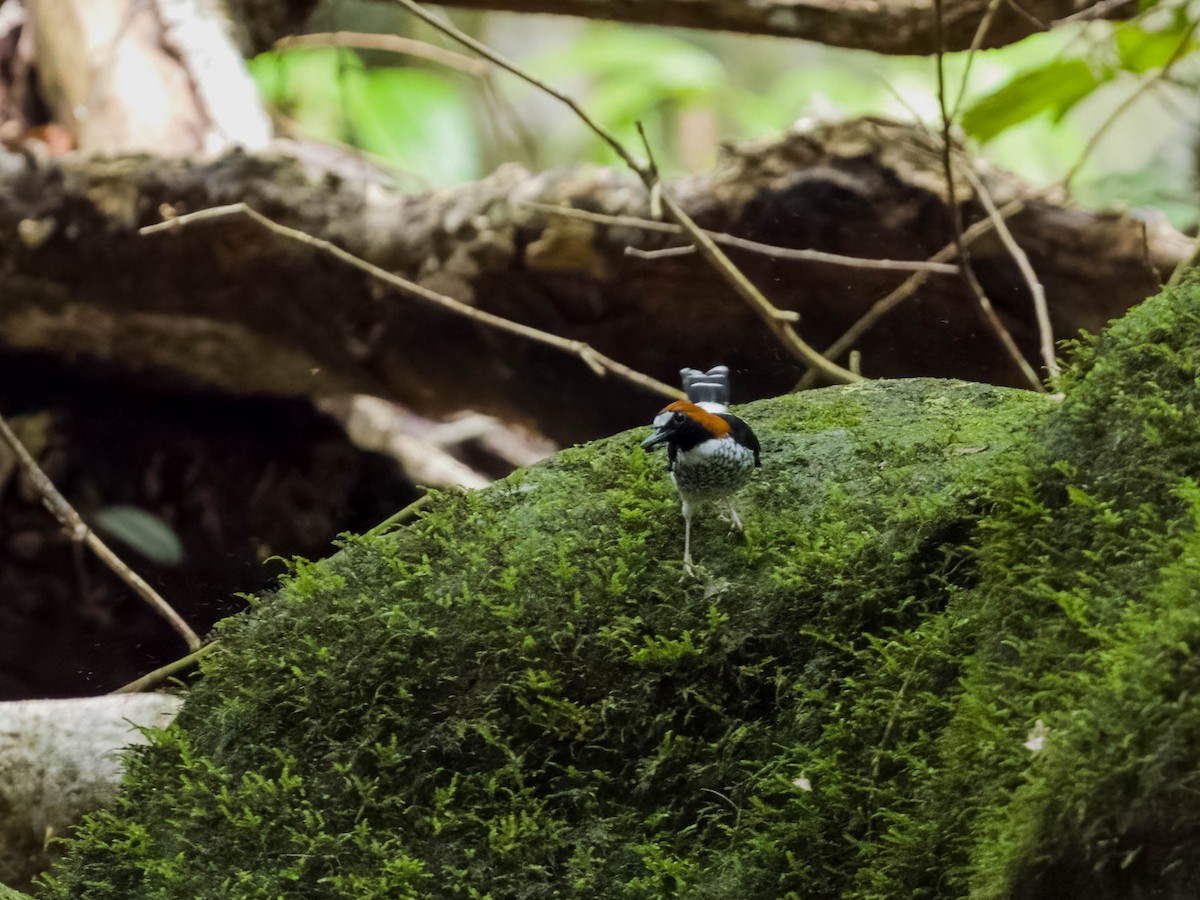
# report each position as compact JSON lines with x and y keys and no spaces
{"x":521,"y":695}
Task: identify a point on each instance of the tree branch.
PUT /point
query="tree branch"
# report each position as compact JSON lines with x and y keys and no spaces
{"x":238,"y":308}
{"x":889,"y":26}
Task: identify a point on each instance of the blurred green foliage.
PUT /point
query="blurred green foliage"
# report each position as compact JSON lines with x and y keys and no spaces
{"x":417,"y":120}
{"x":638,"y":75}
{"x":1031,"y":107}
{"x":1056,"y":85}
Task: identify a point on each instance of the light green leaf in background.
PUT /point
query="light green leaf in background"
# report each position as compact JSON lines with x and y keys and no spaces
{"x":308,"y":86}
{"x":1054,"y":87}
{"x":634,"y":75}
{"x":417,"y":120}
{"x":672,"y":66}
{"x":824,"y":90}
{"x":142,"y":531}
{"x":1140,"y":51}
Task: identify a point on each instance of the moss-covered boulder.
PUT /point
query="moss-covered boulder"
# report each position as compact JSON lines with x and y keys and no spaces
{"x":951,"y":656}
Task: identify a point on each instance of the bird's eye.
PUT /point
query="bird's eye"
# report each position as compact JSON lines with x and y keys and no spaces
{"x":678,"y":417}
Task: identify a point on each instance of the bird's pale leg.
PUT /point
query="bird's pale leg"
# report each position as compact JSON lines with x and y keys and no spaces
{"x":733,"y":517}
{"x":687,"y":536}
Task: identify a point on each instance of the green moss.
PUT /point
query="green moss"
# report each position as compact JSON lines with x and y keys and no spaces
{"x":1089,"y":590}
{"x":520,"y":695}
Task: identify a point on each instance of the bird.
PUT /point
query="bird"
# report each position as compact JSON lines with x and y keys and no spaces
{"x":711,"y":453}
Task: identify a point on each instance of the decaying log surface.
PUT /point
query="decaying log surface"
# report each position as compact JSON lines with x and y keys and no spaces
{"x":224,"y":304}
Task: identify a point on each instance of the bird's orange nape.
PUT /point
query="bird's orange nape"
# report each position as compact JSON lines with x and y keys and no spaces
{"x":715,"y":425}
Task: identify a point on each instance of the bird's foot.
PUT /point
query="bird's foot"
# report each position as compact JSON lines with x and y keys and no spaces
{"x":729,"y":514}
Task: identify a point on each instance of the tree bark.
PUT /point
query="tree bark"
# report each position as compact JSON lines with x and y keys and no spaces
{"x":891,"y":26}
{"x":225,"y":304}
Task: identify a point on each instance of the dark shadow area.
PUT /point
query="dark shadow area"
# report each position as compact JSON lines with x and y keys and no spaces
{"x":238,"y":481}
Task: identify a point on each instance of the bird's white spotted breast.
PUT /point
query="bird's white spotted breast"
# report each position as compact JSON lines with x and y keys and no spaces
{"x":713,"y":469}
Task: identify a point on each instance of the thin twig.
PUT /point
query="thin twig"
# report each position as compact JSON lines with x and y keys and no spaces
{"x":398,"y":517}
{"x":650,"y":175}
{"x":664,"y":253}
{"x":976,"y":42}
{"x":895,"y":714}
{"x":1036,"y":291}
{"x":1124,"y":106}
{"x":778,"y":320}
{"x":388,"y":43}
{"x":78,"y":530}
{"x":651,"y":163}
{"x":729,"y":240}
{"x":161,"y":674}
{"x":906,"y":289}
{"x":1101,"y":9}
{"x":1027,"y":15}
{"x":737,"y":813}
{"x":968,"y":272}
{"x":595,"y":360}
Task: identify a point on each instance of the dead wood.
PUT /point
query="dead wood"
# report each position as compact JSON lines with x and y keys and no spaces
{"x":884,"y":26}
{"x":225,"y":304}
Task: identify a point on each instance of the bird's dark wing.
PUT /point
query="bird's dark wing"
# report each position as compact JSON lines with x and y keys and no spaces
{"x":672,"y":452}
{"x":743,"y":434}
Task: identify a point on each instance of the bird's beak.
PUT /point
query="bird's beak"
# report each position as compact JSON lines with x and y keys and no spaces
{"x":662,"y":422}
{"x":659,"y":437}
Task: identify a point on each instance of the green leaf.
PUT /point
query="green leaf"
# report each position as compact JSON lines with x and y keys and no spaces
{"x":1140,"y":51}
{"x":416,"y":119}
{"x":661,"y":66}
{"x":1054,"y":87}
{"x":309,"y":86}
{"x":141,"y":531}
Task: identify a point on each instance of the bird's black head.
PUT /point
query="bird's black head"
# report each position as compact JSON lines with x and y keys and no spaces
{"x":683,"y":425}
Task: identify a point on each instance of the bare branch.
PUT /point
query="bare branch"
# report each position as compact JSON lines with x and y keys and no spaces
{"x":985,"y":305}
{"x":883,"y":26}
{"x":1098,"y":11}
{"x":729,"y":240}
{"x":162,"y":673}
{"x":78,"y":530}
{"x":1036,"y":291}
{"x":509,"y":66}
{"x":664,"y":253}
{"x":1025,"y":14}
{"x":909,"y":287}
{"x":976,"y":42}
{"x":389,"y":43}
